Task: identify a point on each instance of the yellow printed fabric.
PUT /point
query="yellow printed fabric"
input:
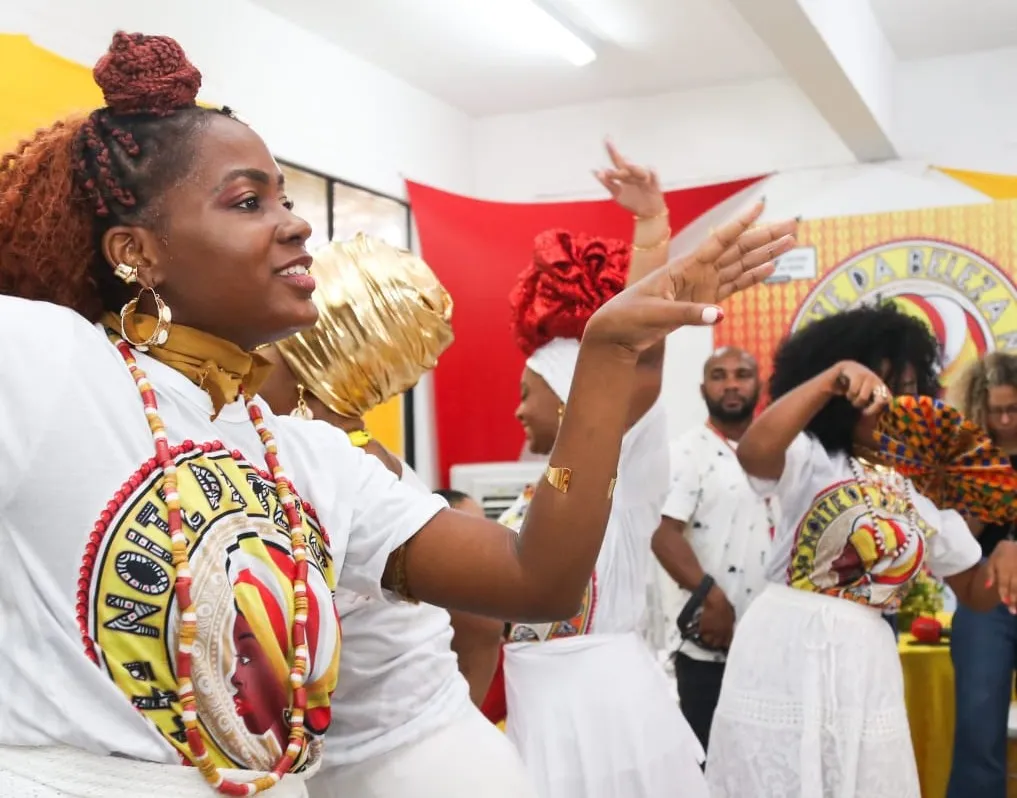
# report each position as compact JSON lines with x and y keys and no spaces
{"x":953,"y":268}
{"x":844,"y":550}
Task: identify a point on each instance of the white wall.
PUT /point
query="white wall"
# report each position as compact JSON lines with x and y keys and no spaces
{"x":959,"y":111}
{"x":705,"y":136}
{"x":314,"y":104}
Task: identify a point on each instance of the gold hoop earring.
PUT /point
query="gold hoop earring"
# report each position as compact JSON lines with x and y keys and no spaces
{"x":163,"y":320}
{"x":561,"y":414}
{"x":301,"y":410}
{"x":128,"y":274}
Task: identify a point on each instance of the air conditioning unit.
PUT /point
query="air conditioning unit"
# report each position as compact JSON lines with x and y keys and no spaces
{"x":495,"y":485}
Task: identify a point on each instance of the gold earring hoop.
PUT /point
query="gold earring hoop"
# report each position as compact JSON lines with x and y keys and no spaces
{"x":301,"y":410}
{"x":128,"y":274}
{"x":163,"y":320}
{"x":561,"y":413}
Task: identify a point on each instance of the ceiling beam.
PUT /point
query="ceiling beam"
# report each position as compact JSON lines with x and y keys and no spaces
{"x":839,"y":57}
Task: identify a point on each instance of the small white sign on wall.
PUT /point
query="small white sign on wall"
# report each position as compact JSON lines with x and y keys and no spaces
{"x":798,"y":264}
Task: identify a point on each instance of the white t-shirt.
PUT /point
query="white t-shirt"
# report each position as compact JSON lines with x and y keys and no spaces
{"x":398,"y":677}
{"x":82,"y":521}
{"x":827,"y":541}
{"x":726,"y":522}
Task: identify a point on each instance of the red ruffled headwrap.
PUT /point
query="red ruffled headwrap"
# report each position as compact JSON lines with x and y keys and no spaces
{"x":570,"y":277}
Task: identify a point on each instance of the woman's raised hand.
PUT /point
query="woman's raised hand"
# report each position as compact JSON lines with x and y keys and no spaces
{"x":635,"y":188}
{"x":735,"y":257}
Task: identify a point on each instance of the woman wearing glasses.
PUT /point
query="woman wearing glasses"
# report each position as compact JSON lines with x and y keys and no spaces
{"x":983,"y":645}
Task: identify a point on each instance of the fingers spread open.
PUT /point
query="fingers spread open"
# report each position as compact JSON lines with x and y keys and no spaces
{"x":741,"y":281}
{"x":724,"y":237}
{"x":758,"y":238}
{"x":756,"y":258}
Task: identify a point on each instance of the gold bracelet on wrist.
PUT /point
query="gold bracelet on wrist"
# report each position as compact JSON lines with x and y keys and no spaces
{"x":360,"y":438}
{"x":663,"y":214}
{"x":560,"y":479}
{"x":663,"y":242}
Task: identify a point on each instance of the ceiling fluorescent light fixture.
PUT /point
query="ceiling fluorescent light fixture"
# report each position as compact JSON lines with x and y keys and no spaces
{"x":542,"y":25}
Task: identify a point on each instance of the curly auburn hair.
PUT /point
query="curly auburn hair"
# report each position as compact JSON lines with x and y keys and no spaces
{"x":970,"y":394}
{"x":569,"y":278}
{"x":881,"y":338}
{"x":61,"y":190}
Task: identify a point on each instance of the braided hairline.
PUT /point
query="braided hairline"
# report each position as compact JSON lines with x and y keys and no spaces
{"x":104,"y":151}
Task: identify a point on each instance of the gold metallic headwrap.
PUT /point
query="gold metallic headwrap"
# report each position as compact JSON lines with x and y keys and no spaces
{"x":383,"y":321}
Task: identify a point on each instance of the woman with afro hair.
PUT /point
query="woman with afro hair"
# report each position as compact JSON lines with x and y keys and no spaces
{"x":588,"y":706}
{"x":172,"y":546}
{"x":812,"y":704}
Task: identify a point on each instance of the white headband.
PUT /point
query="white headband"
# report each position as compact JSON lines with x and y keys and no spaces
{"x":555,"y":362}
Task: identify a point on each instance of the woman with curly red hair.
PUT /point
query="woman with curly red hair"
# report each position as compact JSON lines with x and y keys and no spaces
{"x":146,"y":253}
{"x":588,"y":707}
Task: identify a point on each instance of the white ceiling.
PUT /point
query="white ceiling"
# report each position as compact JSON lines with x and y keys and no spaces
{"x":446,"y":48}
{"x":931,"y":28}
{"x":645,"y":47}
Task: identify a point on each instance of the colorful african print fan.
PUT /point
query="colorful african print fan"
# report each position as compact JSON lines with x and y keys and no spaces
{"x":950,"y":460}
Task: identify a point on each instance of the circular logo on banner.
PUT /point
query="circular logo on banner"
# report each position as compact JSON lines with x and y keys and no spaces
{"x":965,"y":299}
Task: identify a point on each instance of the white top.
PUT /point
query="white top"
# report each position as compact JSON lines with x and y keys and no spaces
{"x":616,"y":597}
{"x":76,"y":456}
{"x":399,"y":679}
{"x":827,"y":540}
{"x":726,"y":522}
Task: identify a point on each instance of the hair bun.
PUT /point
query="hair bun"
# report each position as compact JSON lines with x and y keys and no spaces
{"x":146,"y":75}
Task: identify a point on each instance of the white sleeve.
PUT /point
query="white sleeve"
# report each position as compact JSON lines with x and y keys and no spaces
{"x":411,"y":479}
{"x":386,"y":513}
{"x":685,"y":491}
{"x":800,"y":462}
{"x":952,"y":549}
{"x":38,"y":343}
{"x":367,"y":510}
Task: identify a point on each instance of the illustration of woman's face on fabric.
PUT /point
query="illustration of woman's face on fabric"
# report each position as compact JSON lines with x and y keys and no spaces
{"x":261,"y":701}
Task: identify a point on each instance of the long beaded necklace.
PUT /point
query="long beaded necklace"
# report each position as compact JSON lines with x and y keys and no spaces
{"x":888,"y":480}
{"x":188,"y":617}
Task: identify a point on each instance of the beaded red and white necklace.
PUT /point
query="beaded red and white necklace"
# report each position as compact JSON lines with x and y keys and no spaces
{"x":885,"y":480}
{"x":182,"y":588}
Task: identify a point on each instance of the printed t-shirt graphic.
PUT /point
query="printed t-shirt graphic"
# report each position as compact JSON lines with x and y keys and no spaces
{"x":841,"y":549}
{"x":242,"y":571}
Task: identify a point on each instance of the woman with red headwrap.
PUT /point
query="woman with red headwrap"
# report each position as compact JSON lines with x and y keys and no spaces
{"x":589,"y":708}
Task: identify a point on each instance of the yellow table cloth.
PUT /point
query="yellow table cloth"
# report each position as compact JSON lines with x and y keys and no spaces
{"x":928,"y":693}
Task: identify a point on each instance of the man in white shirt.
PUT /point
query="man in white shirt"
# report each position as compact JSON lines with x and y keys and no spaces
{"x":714,"y":534}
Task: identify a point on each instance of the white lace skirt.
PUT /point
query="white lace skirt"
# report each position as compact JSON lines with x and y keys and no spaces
{"x":812,"y":704}
{"x":595,"y":717}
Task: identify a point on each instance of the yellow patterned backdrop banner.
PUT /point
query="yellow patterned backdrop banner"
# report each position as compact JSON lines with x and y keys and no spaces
{"x":59,"y":88}
{"x":953,"y":268}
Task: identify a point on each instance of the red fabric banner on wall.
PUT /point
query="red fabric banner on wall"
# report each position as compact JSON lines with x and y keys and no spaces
{"x":477,"y":249}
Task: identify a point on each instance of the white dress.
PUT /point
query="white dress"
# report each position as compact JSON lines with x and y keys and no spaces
{"x":812,"y":704}
{"x":589,"y":708}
